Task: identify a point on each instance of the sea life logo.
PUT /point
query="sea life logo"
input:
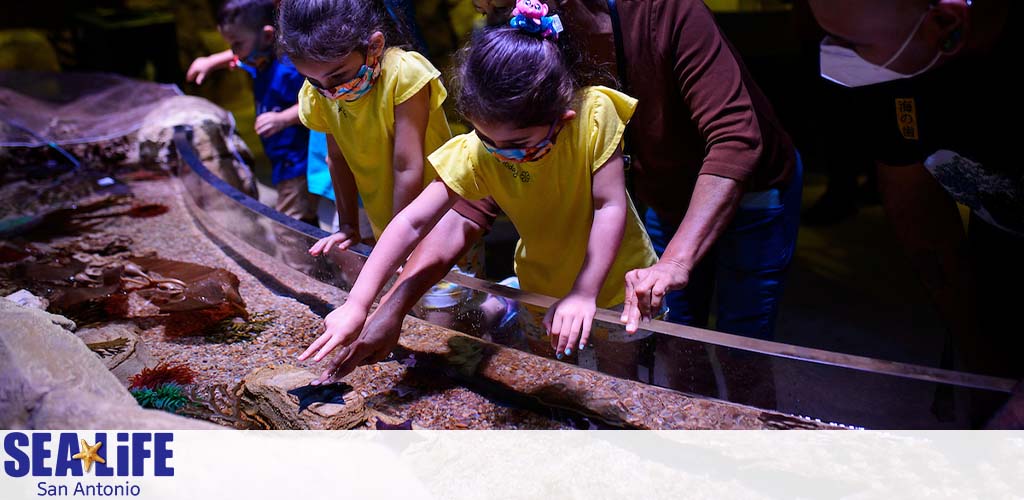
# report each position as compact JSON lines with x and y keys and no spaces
{"x":71,"y":455}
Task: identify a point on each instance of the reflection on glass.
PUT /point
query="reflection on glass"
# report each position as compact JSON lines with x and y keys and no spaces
{"x":798,"y":387}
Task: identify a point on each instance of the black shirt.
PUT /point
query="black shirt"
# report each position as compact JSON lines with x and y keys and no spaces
{"x":962,"y":121}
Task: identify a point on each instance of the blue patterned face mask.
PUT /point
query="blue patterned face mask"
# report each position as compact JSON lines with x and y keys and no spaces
{"x":521,"y":155}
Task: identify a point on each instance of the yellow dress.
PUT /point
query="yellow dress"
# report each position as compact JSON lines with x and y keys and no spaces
{"x":550,"y":201}
{"x":364,"y":129}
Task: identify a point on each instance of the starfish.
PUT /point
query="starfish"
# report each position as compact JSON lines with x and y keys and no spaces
{"x":88,"y":454}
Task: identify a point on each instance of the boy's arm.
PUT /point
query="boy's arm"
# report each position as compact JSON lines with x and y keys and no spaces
{"x":411,"y":119}
{"x":405,"y":231}
{"x":272,"y":122}
{"x":202,"y":66}
{"x":573,"y":315}
{"x":346,"y":198}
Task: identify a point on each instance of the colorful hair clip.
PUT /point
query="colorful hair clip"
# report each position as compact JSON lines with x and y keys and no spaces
{"x":531,"y":16}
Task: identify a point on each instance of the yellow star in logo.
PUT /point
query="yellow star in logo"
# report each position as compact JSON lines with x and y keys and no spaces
{"x":89,"y":455}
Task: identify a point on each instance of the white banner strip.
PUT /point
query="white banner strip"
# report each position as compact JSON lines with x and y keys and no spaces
{"x":514,"y":464}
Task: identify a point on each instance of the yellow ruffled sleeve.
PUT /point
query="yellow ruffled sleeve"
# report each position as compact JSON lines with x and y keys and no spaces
{"x":455,"y":163}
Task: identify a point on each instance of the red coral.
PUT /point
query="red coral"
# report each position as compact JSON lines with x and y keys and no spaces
{"x":162,"y":374}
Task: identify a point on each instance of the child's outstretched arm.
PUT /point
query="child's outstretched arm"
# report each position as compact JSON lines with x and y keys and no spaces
{"x":569,"y":320}
{"x":343,"y":325}
{"x":346,"y":198}
{"x":272,"y":122}
{"x":410,"y":133}
{"x":203,"y":66}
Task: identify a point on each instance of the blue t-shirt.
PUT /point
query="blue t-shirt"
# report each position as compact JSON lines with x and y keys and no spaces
{"x":318,"y":176}
{"x":276,"y":88}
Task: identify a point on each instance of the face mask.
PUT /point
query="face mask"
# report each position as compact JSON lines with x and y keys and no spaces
{"x":522,"y":155}
{"x":356,"y":87}
{"x":842,"y":65}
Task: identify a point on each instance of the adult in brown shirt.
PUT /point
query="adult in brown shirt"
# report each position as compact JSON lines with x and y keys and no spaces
{"x":709,"y":158}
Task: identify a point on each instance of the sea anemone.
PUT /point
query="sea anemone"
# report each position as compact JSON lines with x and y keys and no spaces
{"x":169,"y":397}
{"x":164,"y":373}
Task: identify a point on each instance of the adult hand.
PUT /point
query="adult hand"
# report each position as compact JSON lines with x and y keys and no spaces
{"x":341,"y":327}
{"x":379,"y":338}
{"x":568,"y":321}
{"x":646,"y":289}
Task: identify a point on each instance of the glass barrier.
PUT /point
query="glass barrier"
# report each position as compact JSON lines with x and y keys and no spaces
{"x":829,"y":386}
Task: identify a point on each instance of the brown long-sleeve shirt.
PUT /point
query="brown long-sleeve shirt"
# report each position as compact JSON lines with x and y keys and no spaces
{"x":699,"y":110}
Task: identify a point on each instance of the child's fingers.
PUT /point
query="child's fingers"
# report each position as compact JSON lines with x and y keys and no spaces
{"x":573,"y":337}
{"x":317,"y":247}
{"x":327,"y":348}
{"x":345,"y":244}
{"x":563,"y":338}
{"x":332,"y":241}
{"x":588,"y":322}
{"x":553,"y":324}
{"x":321,"y":340}
{"x":563,"y":334}
{"x":548,"y":316}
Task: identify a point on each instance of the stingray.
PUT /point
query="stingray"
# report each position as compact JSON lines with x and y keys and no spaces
{"x":384,"y":426}
{"x":327,"y":393}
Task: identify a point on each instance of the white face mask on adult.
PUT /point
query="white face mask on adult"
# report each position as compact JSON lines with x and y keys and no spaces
{"x":844,"y":66}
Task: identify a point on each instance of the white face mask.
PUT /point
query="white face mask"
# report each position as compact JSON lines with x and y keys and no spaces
{"x":843,"y":66}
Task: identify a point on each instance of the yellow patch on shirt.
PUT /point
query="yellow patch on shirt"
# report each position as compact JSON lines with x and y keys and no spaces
{"x":906,"y":118}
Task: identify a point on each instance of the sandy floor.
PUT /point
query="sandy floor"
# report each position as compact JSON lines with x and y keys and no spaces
{"x":390,"y":388}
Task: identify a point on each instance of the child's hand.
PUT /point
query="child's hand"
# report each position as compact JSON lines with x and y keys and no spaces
{"x":198,"y":70}
{"x":379,"y":337}
{"x":270,"y":123}
{"x":343,"y":239}
{"x":341,"y":327}
{"x":569,"y":321}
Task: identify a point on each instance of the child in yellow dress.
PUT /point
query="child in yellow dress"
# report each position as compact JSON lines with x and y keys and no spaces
{"x":548,"y":152}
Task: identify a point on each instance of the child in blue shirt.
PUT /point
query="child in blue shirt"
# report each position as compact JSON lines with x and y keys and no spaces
{"x":248,"y":27}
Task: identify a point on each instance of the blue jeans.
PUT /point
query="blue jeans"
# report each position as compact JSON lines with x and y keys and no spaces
{"x":746,"y":267}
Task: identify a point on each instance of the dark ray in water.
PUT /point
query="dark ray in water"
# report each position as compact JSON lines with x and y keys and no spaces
{"x":384,"y":426}
{"x":327,"y":393}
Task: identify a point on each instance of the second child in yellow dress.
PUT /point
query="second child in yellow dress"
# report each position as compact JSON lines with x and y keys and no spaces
{"x":379,"y":104}
{"x":548,"y":152}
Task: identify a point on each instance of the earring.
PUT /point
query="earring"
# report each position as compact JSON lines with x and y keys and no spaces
{"x":952,"y":41}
